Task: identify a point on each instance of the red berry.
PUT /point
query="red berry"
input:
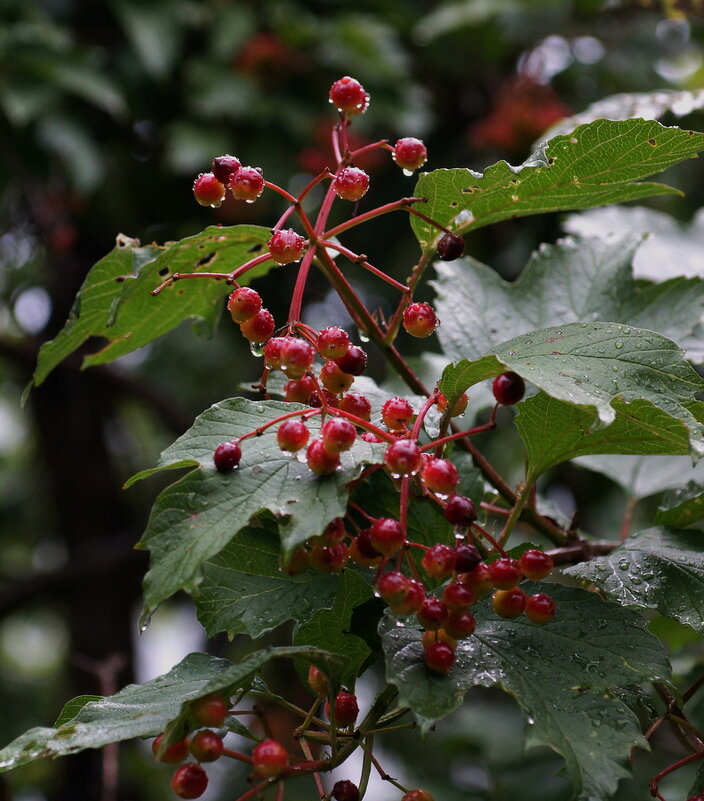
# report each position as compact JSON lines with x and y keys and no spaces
{"x":269,"y":758}
{"x":439,"y":657}
{"x":393,"y":587}
{"x":292,"y":435}
{"x":478,"y":579}
{"x":467,"y":557}
{"x":451,"y":247}
{"x":286,"y":246}
{"x":206,"y":746}
{"x":419,"y":319}
{"x":296,"y":357}
{"x":333,"y":342}
{"x":413,"y":600}
{"x":351,"y":183}
{"x":460,"y":625}
{"x":460,"y":404}
{"x":330,"y":399}
{"x":244,"y":303}
{"x":356,"y":404}
{"x":508,"y":388}
{"x":246,"y":184}
{"x":258,"y":328}
{"x":387,"y":536}
{"x":418,"y":795}
{"x":209,"y":710}
{"x":439,"y":561}
{"x":320,"y":460}
{"x":338,"y":435}
{"x":403,"y":458}
{"x":207,"y":190}
{"x":440,"y":475}
{"x":396,"y":413}
{"x":346,"y":709}
{"x":329,"y":558}
{"x":540,"y":608}
{"x":432,"y":613}
{"x":174,"y":753}
{"x":299,"y":391}
{"x":227,"y":456}
{"x":272,"y":352}
{"x":189,"y":781}
{"x":317,"y":680}
{"x":535,"y":564}
{"x":297,"y":563}
{"x":353,"y":361}
{"x":505,"y":573}
{"x":457,"y":596}
{"x":348,"y":95}
{"x":334,"y":532}
{"x":345,"y":791}
{"x":460,"y":511}
{"x":509,"y":603}
{"x":334,"y":380}
{"x":224,"y":167}
{"x":362,"y":552}
{"x":368,"y":436}
{"x":438,"y":635}
{"x":410,"y":153}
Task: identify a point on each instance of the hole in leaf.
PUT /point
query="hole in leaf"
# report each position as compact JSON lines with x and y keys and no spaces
{"x":164,"y":271}
{"x":652,"y":142}
{"x":206,"y":260}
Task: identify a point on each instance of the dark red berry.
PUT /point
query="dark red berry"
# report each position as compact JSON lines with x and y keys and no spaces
{"x":403,"y":458}
{"x":387,"y":536}
{"x":362,"y":551}
{"x":508,"y":388}
{"x":505,"y":573}
{"x":439,"y":561}
{"x":317,"y":680}
{"x":345,"y":791}
{"x":299,"y":391}
{"x":439,"y":475}
{"x":334,"y":532}
{"x":460,"y":625}
{"x":286,"y":246}
{"x":460,"y":511}
{"x":206,"y":746}
{"x":244,"y":303}
{"x":334,"y":379}
{"x":338,"y":435}
{"x":540,"y":608}
{"x":410,"y":153}
{"x":210,"y":710}
{"x":396,"y":413}
{"x":348,"y":95}
{"x":224,"y":167}
{"x":451,"y":247}
{"x":432,"y":613}
{"x":296,"y":357}
{"x":535,"y":565}
{"x":247,"y":184}
{"x":460,"y":404}
{"x":329,"y":558}
{"x":292,"y":435}
{"x":419,"y":319}
{"x":258,"y":328}
{"x":351,"y":183}
{"x":393,"y":587}
{"x":467,"y":557}
{"x":207,"y":190}
{"x":509,"y":603}
{"x":439,"y":657}
{"x":333,"y":342}
{"x":174,"y":753}
{"x":269,"y":758}
{"x":330,"y":399}
{"x":189,"y":781}
{"x":346,"y":709}
{"x":353,"y":362}
{"x":457,"y":596}
{"x":356,"y":404}
{"x":478,"y":579}
{"x":227,"y":456}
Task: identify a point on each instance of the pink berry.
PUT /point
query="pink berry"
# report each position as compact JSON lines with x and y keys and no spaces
{"x":292,"y":435}
{"x":451,"y":247}
{"x":299,"y":391}
{"x":419,"y":319}
{"x":351,"y":183}
{"x":535,"y":565}
{"x":508,"y":388}
{"x":224,"y":167}
{"x":338,"y":435}
{"x":206,"y":746}
{"x":348,"y":95}
{"x":269,"y":758}
{"x":369,"y":436}
{"x":439,"y":561}
{"x":505,"y":573}
{"x":403,"y":458}
{"x":246,"y":184}
{"x":460,"y":511}
{"x":353,"y":361}
{"x":258,"y":328}
{"x":207,"y":190}
{"x":440,"y":475}
{"x":296,"y":357}
{"x":540,"y":608}
{"x":410,"y":153}
{"x":244,"y":303}
{"x":319,"y":460}
{"x":227,"y":456}
{"x":189,"y":781}
{"x":356,"y":404}
{"x":387,"y":536}
{"x":286,"y":246}
{"x":334,"y":379}
{"x":333,"y":342}
{"x":439,"y":657}
{"x":272,"y":352}
{"x":396,"y":413}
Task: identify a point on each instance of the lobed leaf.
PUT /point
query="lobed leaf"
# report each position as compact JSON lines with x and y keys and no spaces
{"x":682,"y":507}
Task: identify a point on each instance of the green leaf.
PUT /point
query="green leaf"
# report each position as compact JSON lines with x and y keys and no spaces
{"x":597,"y":164}
{"x":195,"y":518}
{"x":244,"y":592}
{"x":658,"y":568}
{"x":565,"y":676}
{"x":575,"y":280}
{"x":329,"y":629}
{"x":682,"y":507}
{"x":594,"y":365}
{"x":73,"y":707}
{"x":628,"y":105}
{"x":115,"y":301}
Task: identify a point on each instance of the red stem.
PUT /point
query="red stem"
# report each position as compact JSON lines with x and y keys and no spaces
{"x":488,"y":537}
{"x":235,"y":274}
{"x":361,"y":259}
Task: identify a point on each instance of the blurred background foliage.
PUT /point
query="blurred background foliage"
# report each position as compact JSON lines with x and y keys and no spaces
{"x":108,"y":109}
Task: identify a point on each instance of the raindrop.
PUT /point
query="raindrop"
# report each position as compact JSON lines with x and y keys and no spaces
{"x":408,"y":173}
{"x":618,"y":344}
{"x":256,"y":348}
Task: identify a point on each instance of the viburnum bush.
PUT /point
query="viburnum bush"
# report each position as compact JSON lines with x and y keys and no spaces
{"x":373,"y":520}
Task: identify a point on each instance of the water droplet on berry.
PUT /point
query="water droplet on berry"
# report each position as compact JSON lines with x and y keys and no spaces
{"x":408,"y":173}
{"x":249,"y":201}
